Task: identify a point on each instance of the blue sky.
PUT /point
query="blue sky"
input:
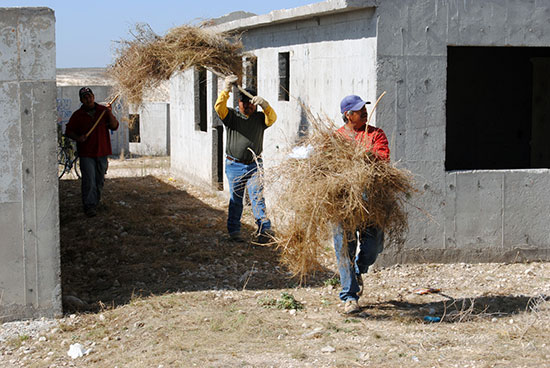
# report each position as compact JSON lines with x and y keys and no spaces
{"x":86,"y":30}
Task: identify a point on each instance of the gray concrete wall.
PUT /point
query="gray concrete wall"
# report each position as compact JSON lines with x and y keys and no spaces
{"x":331,"y":56}
{"x":30,"y":284}
{"x":476,"y":215}
{"x":190,"y":149}
{"x":68,"y":102}
{"x":154,"y":129}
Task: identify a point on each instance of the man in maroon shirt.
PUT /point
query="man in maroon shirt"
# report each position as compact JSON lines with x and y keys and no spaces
{"x":93,"y":145}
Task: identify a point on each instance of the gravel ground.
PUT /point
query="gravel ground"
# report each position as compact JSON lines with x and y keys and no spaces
{"x":156,"y":265}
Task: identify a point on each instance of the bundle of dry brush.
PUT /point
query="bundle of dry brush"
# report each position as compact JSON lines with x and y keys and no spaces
{"x":340,"y":182}
{"x":149,"y":59}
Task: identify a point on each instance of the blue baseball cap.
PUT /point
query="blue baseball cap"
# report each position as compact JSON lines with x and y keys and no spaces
{"x":352,"y":103}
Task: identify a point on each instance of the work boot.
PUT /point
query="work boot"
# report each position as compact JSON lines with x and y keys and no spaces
{"x":360,"y":283}
{"x":351,"y":306}
{"x":265,"y":237}
{"x":236,"y":237}
{"x":90,"y":212}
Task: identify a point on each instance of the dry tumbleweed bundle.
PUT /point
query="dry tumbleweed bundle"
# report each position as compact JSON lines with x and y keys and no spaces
{"x":149,"y":59}
{"x":339,"y":182}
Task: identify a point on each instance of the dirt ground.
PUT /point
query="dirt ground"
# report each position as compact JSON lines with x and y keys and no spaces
{"x":154,"y":281}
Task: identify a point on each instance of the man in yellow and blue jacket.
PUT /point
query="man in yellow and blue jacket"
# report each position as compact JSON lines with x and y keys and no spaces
{"x":244,"y":145}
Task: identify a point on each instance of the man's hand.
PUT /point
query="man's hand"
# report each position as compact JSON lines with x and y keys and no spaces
{"x":257,"y":100}
{"x":81,"y":138}
{"x":229,"y":82}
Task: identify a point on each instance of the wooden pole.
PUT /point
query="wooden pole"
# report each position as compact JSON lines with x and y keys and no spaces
{"x":99,"y":119}
{"x":374,"y":107}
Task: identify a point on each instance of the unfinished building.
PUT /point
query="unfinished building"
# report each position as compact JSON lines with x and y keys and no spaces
{"x":466,"y":110}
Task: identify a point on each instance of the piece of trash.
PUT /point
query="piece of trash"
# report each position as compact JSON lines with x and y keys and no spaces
{"x":78,"y":351}
{"x":328,"y":349}
{"x":415,"y":358}
{"x":423,"y":291}
{"x":301,"y":152}
{"x":432,"y":319}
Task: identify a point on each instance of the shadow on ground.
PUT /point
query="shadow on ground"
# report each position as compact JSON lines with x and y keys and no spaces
{"x":152,"y":238}
{"x":456,"y":310}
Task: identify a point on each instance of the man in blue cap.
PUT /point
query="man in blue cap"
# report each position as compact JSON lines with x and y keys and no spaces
{"x":352,"y":264}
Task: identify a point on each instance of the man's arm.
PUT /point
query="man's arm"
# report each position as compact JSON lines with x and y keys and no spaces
{"x":221,"y":103}
{"x":112,"y":122}
{"x":380,"y":146}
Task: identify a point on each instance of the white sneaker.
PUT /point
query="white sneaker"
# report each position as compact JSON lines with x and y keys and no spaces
{"x":351,"y":306}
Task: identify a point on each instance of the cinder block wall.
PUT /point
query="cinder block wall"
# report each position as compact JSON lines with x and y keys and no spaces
{"x":467,"y":215}
{"x":30,"y":283}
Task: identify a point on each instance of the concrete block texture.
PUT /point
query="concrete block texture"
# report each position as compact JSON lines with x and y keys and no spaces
{"x":191,"y":154}
{"x":30,"y":283}
{"x":28,"y":35}
{"x":482,"y":215}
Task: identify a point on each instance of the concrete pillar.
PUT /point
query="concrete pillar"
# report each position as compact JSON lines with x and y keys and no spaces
{"x":30,"y":284}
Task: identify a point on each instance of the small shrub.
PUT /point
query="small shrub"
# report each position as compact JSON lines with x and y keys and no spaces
{"x":288,"y":301}
{"x":333,"y":281}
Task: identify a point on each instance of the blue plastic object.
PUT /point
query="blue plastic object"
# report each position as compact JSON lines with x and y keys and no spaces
{"x":432,"y":319}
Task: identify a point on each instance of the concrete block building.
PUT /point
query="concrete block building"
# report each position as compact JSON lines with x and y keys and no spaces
{"x":30,"y":283}
{"x":466,"y":110}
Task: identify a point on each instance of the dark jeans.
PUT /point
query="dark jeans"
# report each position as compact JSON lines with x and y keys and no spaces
{"x":241,"y":176}
{"x":93,"y":171}
{"x":371,"y":243}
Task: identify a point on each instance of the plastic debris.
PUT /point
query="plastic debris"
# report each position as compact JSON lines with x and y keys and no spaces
{"x":432,"y":319}
{"x":78,"y":351}
{"x":423,"y":291}
{"x":301,"y":152}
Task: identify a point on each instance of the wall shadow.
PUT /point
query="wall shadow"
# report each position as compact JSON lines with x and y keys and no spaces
{"x":150,"y":238}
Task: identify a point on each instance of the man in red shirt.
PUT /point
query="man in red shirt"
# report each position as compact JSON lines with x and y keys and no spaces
{"x":93,"y":145}
{"x":352,"y":265}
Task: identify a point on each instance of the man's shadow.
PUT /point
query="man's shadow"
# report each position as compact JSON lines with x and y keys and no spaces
{"x":453,"y":310}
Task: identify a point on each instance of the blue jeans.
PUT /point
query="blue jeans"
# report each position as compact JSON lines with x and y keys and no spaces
{"x":240,"y":176}
{"x":93,"y":171}
{"x":371,"y":243}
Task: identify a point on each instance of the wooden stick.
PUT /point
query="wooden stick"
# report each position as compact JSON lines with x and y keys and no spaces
{"x":374,"y":107}
{"x":98,"y":119}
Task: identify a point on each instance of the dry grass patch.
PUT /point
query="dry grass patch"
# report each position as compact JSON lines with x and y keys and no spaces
{"x":338,"y":183}
{"x":148,"y":59}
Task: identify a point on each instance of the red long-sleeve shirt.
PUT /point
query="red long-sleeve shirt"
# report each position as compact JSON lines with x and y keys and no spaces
{"x":98,"y":143}
{"x":374,"y":139}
